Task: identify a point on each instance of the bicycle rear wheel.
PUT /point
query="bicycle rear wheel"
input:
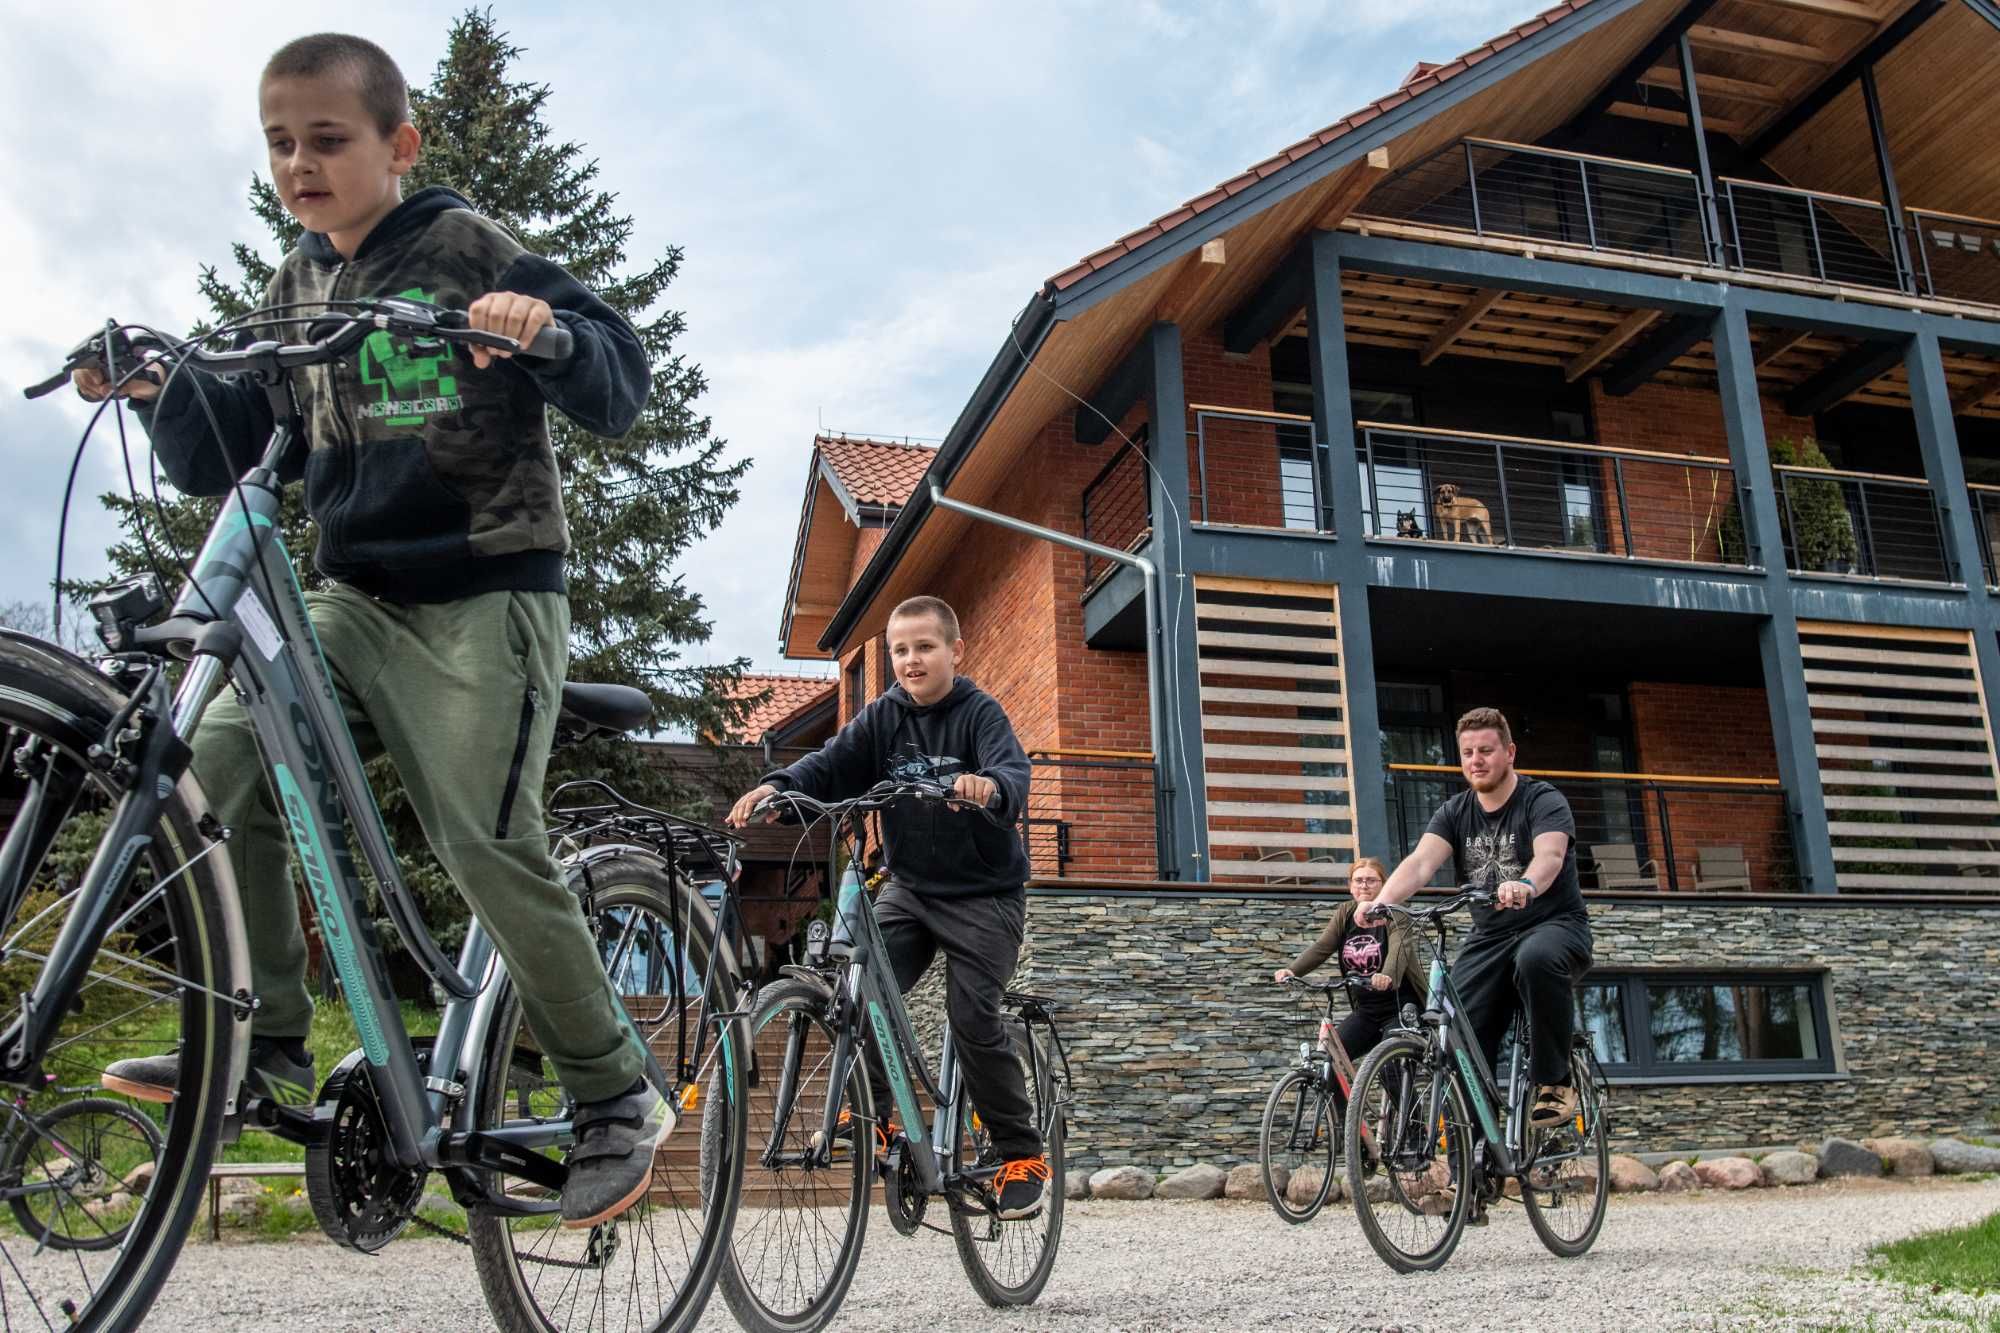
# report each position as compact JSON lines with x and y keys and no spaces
{"x":1299,"y":1135}
{"x":1409,"y":1156}
{"x":1008,"y":1263}
{"x":797,"y":1239}
{"x":1568,"y":1184}
{"x":653,"y":1267}
{"x":97,"y":1251}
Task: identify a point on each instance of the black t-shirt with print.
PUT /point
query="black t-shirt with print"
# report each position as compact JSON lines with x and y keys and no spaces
{"x":1489,"y":849}
{"x":1362,"y":954}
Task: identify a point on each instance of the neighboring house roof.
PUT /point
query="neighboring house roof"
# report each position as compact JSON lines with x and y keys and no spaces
{"x":879,"y":474}
{"x":1420,"y":80}
{"x":786,"y":698}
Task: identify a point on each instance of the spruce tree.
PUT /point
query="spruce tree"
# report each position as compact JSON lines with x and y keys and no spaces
{"x":635,"y":504}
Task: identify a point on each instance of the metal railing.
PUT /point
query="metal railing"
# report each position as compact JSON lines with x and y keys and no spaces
{"x":1986,"y":512}
{"x":1492,"y":188}
{"x":1639,"y":831}
{"x":1504,"y":491}
{"x":1236,"y":451}
{"x":1809,"y":234}
{"x":1092,"y":814}
{"x":1958,"y":258}
{"x":1118,"y":506}
{"x":1862,"y":523}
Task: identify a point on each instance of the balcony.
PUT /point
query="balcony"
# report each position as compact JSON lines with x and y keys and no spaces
{"x":1502,"y":492}
{"x":1986,"y":509}
{"x":1639,"y":831}
{"x":1603,"y":206}
{"x":1092,"y":814}
{"x":1862,"y":524}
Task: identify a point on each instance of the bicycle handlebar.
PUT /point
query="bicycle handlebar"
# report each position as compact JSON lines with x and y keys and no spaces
{"x":878,"y":797}
{"x":1345,"y":983}
{"x":332,"y":335}
{"x":1467,"y":896}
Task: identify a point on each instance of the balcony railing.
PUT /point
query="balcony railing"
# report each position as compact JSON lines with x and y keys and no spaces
{"x":1092,"y":814}
{"x":1986,"y":511}
{"x":1118,"y":506}
{"x":1492,"y":188}
{"x":1639,"y":831}
{"x":1502,"y":491}
{"x":1235,"y":453}
{"x":1862,"y":523}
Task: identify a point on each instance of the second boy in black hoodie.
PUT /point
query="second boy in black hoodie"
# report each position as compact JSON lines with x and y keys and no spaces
{"x":957,"y":881}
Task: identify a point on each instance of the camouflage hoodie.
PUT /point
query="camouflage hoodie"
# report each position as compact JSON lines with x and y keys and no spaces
{"x":430,"y":480}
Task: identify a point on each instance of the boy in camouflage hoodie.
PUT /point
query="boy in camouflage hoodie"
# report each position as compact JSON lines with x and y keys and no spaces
{"x":439,"y":505}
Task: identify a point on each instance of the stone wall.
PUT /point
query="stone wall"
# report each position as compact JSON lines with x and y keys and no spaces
{"x":1176,"y":1033}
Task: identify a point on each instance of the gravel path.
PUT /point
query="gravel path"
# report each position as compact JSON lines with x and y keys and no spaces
{"x":1764,"y":1259}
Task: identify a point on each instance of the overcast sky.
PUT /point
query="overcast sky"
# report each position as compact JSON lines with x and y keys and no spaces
{"x":866,"y":195}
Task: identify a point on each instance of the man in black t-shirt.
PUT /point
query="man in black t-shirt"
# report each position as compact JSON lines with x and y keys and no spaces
{"x":1514,"y":836}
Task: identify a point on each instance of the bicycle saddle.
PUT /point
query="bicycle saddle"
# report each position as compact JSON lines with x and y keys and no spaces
{"x":607,"y":707}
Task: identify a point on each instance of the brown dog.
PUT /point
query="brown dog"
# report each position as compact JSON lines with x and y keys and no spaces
{"x":1460,"y":518}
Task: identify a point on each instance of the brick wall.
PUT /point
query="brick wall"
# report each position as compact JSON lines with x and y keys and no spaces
{"x":1713,"y":731}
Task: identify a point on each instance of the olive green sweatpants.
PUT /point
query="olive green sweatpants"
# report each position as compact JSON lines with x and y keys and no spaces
{"x":462,"y":696}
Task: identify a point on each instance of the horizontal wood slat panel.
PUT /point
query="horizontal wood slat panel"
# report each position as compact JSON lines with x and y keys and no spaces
{"x":1285,"y":698}
{"x":1269,"y":643}
{"x":1975,"y":883}
{"x":1303,"y":726}
{"x":1916,"y":856}
{"x":1263,"y":615}
{"x":1890,"y":754}
{"x":1867,"y":777}
{"x":1886,"y":680}
{"x":1886,"y":656}
{"x":1917,"y":707}
{"x":1294,"y":810}
{"x":1218,"y":666}
{"x":1919,"y":804}
{"x":1917,"y":731}
{"x":1237,"y":837}
{"x":1271,"y":781}
{"x":1921,"y":832}
{"x":1280,"y":869}
{"x":1273,"y":754}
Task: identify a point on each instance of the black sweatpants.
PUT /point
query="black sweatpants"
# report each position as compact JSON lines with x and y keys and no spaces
{"x":980,"y":938}
{"x":1535,"y":970}
{"x":1361,"y":1031}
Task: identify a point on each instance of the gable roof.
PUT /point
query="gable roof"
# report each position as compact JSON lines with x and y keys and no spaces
{"x":788,"y":698}
{"x":853,"y":485}
{"x":878,"y":474}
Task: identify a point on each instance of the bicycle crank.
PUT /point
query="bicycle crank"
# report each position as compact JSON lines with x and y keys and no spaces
{"x":360,"y":1196}
{"x":903,"y":1194}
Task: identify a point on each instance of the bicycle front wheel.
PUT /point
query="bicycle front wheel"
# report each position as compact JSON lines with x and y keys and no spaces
{"x":797,"y":1239}
{"x":1568,"y":1184}
{"x":653,"y":1267}
{"x":1008,"y":1263}
{"x":92,"y":1250}
{"x":1409,"y":1156}
{"x":1299,"y":1142}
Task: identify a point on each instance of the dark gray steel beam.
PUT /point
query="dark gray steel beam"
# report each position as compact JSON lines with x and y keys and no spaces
{"x":1661,"y":349}
{"x":1178,"y":767}
{"x":1122,"y":388}
{"x":1834,"y":381}
{"x":1270,"y":307}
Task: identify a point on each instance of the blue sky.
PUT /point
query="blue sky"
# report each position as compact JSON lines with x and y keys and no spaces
{"x":866,"y":195}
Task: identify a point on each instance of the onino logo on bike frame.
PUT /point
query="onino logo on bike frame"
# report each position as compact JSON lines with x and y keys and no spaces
{"x":313,"y":859}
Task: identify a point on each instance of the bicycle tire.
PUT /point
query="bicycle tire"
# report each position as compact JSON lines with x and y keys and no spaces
{"x":1594,"y":1148}
{"x":1393,"y":1085}
{"x":983,"y":1241}
{"x":750,"y":1281}
{"x":89,"y":1179}
{"x":60,"y":700}
{"x":513,"y":1254}
{"x":1296,"y":1101}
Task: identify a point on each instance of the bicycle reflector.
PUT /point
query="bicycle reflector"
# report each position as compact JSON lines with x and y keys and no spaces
{"x":123,"y":607}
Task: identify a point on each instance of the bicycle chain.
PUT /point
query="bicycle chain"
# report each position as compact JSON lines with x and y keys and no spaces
{"x":438,"y":1229}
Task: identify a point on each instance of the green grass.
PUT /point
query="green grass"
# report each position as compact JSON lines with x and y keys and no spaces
{"x":1959,"y":1259}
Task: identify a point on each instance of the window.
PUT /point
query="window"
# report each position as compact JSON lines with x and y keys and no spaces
{"x":1701,"y":1025}
{"x":857,"y":684}
{"x":883,"y":675}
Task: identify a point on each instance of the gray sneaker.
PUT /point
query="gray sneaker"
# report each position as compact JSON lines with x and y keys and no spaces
{"x":611,"y":1165}
{"x":272,"y":1075}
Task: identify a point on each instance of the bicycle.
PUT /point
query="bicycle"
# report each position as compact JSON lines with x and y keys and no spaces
{"x":124,"y":931}
{"x":1305,"y":1113}
{"x":798,"y":1235}
{"x":1429,"y":1102}
{"x":75,"y":1175}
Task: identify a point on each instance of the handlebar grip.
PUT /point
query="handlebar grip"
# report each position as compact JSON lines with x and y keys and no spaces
{"x":47,"y":386}
{"x":553,"y":343}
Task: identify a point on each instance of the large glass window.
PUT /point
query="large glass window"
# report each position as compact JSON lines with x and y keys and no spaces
{"x":1659,"y":1025}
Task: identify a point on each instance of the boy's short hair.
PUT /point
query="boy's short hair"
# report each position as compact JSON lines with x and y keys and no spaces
{"x":947,"y":618}
{"x":383,"y":90}
{"x":1485,"y":719}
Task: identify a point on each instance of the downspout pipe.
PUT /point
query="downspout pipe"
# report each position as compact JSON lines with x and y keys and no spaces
{"x":1155,"y":670}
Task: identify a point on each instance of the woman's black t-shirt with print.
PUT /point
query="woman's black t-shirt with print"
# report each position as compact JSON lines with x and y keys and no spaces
{"x":1488,"y":849}
{"x":1362,"y":954}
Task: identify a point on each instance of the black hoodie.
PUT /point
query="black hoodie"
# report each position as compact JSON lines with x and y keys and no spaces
{"x":930,"y":848}
{"x":430,"y":479}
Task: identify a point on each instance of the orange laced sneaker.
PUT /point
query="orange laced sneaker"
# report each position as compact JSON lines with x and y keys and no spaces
{"x":1021,"y":1186}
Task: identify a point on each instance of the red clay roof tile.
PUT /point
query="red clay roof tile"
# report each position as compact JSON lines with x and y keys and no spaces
{"x":789,"y":695}
{"x":880,"y":473}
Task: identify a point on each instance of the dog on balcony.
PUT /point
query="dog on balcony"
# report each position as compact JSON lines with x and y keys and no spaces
{"x":1460,"y":518}
{"x":1406,"y":523}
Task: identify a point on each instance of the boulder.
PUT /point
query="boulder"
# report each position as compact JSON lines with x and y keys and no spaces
{"x":140,"y":1178}
{"x":1845,"y":1157}
{"x":1728,"y":1173}
{"x":1629,"y":1175}
{"x":1121,"y":1182}
{"x":1956,"y":1156}
{"x":1790,"y":1168}
{"x":1200,"y":1181}
{"x":1678,"y":1178}
{"x":1378,"y":1188}
{"x":1303,"y":1187}
{"x":1076,"y":1185}
{"x":1247,"y":1181}
{"x":1902,"y":1157}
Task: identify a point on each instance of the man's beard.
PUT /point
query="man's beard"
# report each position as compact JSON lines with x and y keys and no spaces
{"x":1494,"y":780}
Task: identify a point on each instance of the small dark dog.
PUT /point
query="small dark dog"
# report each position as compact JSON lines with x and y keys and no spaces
{"x":1406,"y":523}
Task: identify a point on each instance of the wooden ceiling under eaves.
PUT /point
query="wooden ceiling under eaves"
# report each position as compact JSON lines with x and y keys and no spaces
{"x":1587,"y":337}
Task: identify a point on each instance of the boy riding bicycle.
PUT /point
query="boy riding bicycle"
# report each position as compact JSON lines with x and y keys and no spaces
{"x":439,"y":506}
{"x":1515,"y":836}
{"x":957,"y":882}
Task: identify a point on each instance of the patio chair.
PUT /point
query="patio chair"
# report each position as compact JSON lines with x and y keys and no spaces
{"x":1279,"y":854}
{"x":1619,"y":867}
{"x":1719,"y":868}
